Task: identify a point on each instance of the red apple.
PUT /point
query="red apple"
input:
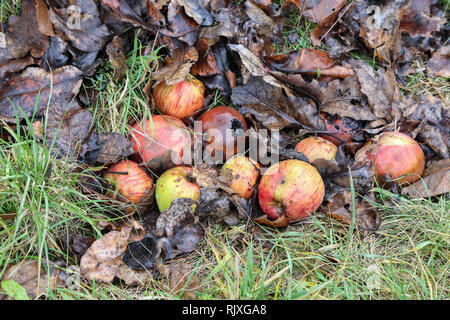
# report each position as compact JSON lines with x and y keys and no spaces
{"x":345,"y":128}
{"x":175,"y":183}
{"x":393,"y":155}
{"x":290,"y":189}
{"x":240,"y":174}
{"x":130,"y":181}
{"x":215,"y":123}
{"x":317,"y":148}
{"x":180,"y":100}
{"x":160,"y":141}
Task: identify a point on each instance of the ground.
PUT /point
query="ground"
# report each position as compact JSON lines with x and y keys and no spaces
{"x":320,"y":258}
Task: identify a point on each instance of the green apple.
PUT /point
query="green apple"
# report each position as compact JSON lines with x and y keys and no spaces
{"x":174,"y":183}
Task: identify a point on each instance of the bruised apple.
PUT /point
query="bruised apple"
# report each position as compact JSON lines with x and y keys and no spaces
{"x":221,"y":126}
{"x":317,"y":148}
{"x":179,"y":100}
{"x":241,"y":173}
{"x":159,"y":142}
{"x":393,"y":155}
{"x":130,"y":181}
{"x":175,"y":183}
{"x":290,"y":189}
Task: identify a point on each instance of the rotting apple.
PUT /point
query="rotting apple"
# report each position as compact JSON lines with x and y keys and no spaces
{"x":393,"y":156}
{"x":221,"y":125}
{"x":175,"y":183}
{"x":160,"y":141}
{"x":290,"y":189}
{"x":131,"y":182}
{"x":344,"y":128}
{"x":179,"y":100}
{"x":317,"y":148}
{"x":241,"y":173}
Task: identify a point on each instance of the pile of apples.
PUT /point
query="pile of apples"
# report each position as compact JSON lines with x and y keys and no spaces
{"x":292,"y":189}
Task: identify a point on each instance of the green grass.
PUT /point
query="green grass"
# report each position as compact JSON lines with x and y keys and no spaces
{"x":8,"y":8}
{"x":43,"y":194}
{"x":119,"y":103}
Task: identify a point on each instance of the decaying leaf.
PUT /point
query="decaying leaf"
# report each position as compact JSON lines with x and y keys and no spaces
{"x":380,"y":29}
{"x":102,"y":260}
{"x":439,"y":64}
{"x":196,"y":10}
{"x":8,"y":68}
{"x":117,"y":57}
{"x":110,"y":148}
{"x":380,"y":90}
{"x":182,"y":279}
{"x":145,"y":254}
{"x":310,"y":62}
{"x":22,"y":35}
{"x":80,"y":24}
{"x":176,"y":69}
{"x":435,"y":181}
{"x":181,"y":24}
{"x":417,"y":21}
{"x":271,"y":107}
{"x":340,"y":207}
{"x":179,"y":213}
{"x":28,"y":94}
{"x":206,"y":64}
{"x":33,"y":277}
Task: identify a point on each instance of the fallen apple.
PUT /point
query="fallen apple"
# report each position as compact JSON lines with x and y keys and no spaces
{"x":175,"y":183}
{"x":393,"y":155}
{"x":179,"y":100}
{"x":290,"y":189}
{"x":220,"y":124}
{"x":160,"y":141}
{"x":241,"y":173}
{"x":130,"y":181}
{"x":317,"y":148}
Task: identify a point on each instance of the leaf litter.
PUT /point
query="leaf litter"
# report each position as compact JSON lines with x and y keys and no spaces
{"x":47,"y":52}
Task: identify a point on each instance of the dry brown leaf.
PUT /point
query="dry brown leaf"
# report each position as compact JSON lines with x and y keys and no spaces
{"x":8,"y":68}
{"x":176,"y":69}
{"x":22,"y":35}
{"x":380,"y":90}
{"x":281,"y":222}
{"x":380,"y":29}
{"x":435,"y":181}
{"x":133,"y":277}
{"x":82,"y":27}
{"x":309,"y":61}
{"x":24,"y":89}
{"x":206,"y":64}
{"x":43,"y":19}
{"x":117,"y":58}
{"x":340,"y":207}
{"x":33,"y":277}
{"x":102,"y":260}
{"x":439,"y":64}
{"x":178,"y":275}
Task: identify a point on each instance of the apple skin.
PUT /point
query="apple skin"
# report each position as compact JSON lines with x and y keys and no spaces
{"x":317,"y":148}
{"x":136,"y":186}
{"x":155,"y":141}
{"x":179,"y":100}
{"x":173,"y":184}
{"x":393,"y":155}
{"x":292,"y":189}
{"x":240,"y":171}
{"x":222,"y":118}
